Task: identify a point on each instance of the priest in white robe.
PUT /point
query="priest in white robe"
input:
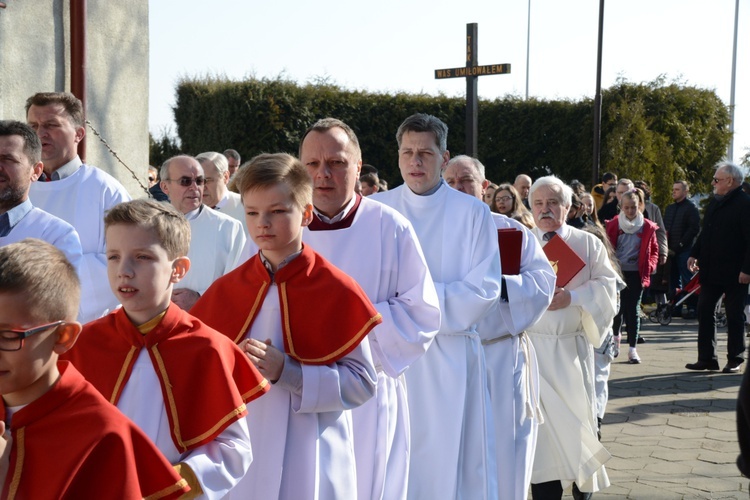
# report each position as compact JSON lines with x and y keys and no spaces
{"x":452,"y":444}
{"x":512,"y":370}
{"x":377,"y":247}
{"x":77,"y":193}
{"x":215,"y":193}
{"x":569,"y":455}
{"x":216,"y":240}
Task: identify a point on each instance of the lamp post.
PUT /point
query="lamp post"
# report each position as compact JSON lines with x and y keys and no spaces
{"x":598,"y":101}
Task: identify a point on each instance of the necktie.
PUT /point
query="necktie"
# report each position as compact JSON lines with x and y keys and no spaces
{"x":548,"y":236}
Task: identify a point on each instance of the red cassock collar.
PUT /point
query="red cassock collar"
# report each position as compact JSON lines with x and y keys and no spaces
{"x":71,"y":443}
{"x":205,"y":380}
{"x":324,"y":312}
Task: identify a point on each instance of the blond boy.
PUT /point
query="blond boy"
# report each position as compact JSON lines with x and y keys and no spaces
{"x":183,"y":384}
{"x":301,"y":321}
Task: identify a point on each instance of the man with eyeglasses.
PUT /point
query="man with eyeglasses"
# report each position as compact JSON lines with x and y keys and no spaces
{"x":79,"y":194}
{"x":609,"y":179}
{"x":722,"y":253}
{"x":216,"y":239}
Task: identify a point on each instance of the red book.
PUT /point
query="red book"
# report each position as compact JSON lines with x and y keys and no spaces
{"x":563,"y":260}
{"x":509,"y":241}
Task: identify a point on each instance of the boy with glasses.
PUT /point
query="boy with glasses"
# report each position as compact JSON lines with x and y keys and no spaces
{"x":66,"y":440}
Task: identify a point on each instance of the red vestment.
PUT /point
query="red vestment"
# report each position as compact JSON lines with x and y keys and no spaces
{"x":324,"y":312}
{"x":71,"y":443}
{"x":205,"y":380}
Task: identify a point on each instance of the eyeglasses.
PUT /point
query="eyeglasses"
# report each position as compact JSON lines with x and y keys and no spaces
{"x":12,"y":340}
{"x":151,"y":179}
{"x":504,"y":199}
{"x":717,"y":179}
{"x":188,"y":181}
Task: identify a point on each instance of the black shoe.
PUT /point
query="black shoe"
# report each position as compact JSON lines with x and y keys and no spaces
{"x":640,"y":340}
{"x":690,"y":314}
{"x":732,"y":367}
{"x":703,"y":365}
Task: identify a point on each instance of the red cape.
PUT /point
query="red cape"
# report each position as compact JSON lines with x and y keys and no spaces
{"x":205,"y":380}
{"x":71,"y":443}
{"x":324,"y":312}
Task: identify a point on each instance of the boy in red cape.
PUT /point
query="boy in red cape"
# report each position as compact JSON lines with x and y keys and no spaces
{"x":301,"y":321}
{"x":181,"y":382}
{"x":66,"y":440}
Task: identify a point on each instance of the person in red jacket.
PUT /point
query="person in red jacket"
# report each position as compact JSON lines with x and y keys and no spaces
{"x":636,"y":247}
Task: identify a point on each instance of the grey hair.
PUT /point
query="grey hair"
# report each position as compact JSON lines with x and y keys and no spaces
{"x":626,"y":182}
{"x":219,"y":160}
{"x":563,"y":191}
{"x":684,"y":184}
{"x":733,"y":170}
{"x":421,"y":122}
{"x":477,"y":164}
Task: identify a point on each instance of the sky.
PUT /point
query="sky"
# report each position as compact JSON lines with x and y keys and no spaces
{"x":395,"y":46}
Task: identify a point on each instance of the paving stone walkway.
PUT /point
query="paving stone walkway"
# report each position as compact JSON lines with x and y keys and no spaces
{"x":671,"y":432}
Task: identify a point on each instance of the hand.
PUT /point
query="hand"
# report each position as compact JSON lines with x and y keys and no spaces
{"x":267,"y":359}
{"x":185,"y":298}
{"x":744,"y":278}
{"x":662,"y":260}
{"x":560,"y":299}
{"x":692,"y":264}
{"x":6,"y":443}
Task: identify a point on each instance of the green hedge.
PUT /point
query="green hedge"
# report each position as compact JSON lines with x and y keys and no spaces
{"x":656,"y":131}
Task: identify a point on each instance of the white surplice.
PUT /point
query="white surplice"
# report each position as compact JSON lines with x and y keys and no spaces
{"x":82,"y":199}
{"x":216,"y":243}
{"x":301,"y":436}
{"x":218,"y":465}
{"x":382,"y":253}
{"x":512,"y":370}
{"x":231,"y":205}
{"x":567,"y":446}
{"x":452,"y":454}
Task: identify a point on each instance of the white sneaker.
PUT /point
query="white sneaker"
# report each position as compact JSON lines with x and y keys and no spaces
{"x":633,"y":357}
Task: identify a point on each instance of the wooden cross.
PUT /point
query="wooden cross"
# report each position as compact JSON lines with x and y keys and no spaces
{"x":471,"y":72}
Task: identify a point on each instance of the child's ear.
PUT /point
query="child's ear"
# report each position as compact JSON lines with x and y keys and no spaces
{"x":307,"y":215}
{"x":67,"y":334}
{"x":180,"y":267}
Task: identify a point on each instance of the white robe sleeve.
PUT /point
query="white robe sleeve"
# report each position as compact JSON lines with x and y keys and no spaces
{"x":597,"y":296}
{"x":530,"y":292}
{"x":464,"y":302}
{"x":411,"y":317}
{"x":342,"y":385}
{"x":220,"y":464}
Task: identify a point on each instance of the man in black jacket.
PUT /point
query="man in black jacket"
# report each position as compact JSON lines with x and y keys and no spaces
{"x":682,"y":222}
{"x":722,"y":251}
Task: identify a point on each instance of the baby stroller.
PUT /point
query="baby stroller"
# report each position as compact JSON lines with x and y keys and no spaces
{"x":663,"y":312}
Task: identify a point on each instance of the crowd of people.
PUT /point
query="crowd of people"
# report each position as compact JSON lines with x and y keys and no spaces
{"x":291,"y":328}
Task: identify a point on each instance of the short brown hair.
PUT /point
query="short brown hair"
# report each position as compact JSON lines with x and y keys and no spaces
{"x":326,"y":124}
{"x":268,"y":170}
{"x":44,"y":277}
{"x":171,"y":227}
{"x":32,"y":145}
{"x":72,"y":105}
